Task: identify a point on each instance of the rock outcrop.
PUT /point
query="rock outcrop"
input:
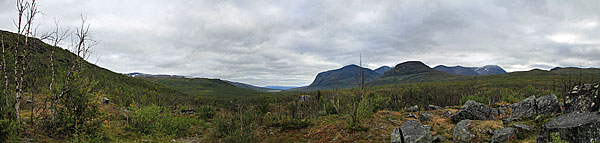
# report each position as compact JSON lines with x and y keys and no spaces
{"x":461,"y":131}
{"x":396,"y":136}
{"x":572,"y":127}
{"x":412,"y":108}
{"x":525,"y":108}
{"x":433,"y":107}
{"x":413,"y":132}
{"x":523,"y":127}
{"x":504,"y":135}
{"x":547,"y":105}
{"x":583,"y":99}
{"x":424,"y":117}
{"x":473,"y":110}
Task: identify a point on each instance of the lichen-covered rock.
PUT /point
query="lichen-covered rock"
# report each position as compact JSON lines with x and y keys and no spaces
{"x":447,"y":113}
{"x":411,"y":115}
{"x":396,"y":136}
{"x":433,"y":107}
{"x":523,"y":127}
{"x":525,"y":108}
{"x":461,"y":132}
{"x":572,"y":127}
{"x":473,"y":110}
{"x":547,"y":105}
{"x":412,"y":108}
{"x":424,"y":117}
{"x":583,"y":99}
{"x":504,"y":135}
{"x":413,"y":132}
{"x":428,"y":127}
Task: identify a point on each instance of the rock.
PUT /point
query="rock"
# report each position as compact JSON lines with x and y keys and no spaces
{"x":188,"y":111}
{"x":572,"y":127}
{"x":412,"y":108}
{"x":447,"y":113}
{"x":411,"y":115}
{"x":428,"y":127}
{"x":473,"y":110}
{"x":547,"y":105}
{"x":525,"y":108}
{"x":584,"y":99}
{"x":502,"y":111}
{"x":104,"y":100}
{"x":413,"y":132}
{"x":424,"y":117}
{"x":523,"y":127}
{"x":461,"y":132}
{"x":504,"y":135}
{"x":439,"y":139}
{"x":433,"y":107}
{"x":396,"y":136}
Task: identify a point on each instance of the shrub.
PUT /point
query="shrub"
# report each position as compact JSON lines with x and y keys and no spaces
{"x":9,"y":130}
{"x":178,"y":126}
{"x":480,"y":99}
{"x":206,"y":112}
{"x":329,"y":108}
{"x":144,"y":120}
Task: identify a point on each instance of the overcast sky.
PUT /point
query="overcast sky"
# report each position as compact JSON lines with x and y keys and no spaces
{"x":289,"y":42}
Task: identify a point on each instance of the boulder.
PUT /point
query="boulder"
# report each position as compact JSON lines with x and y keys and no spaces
{"x":572,"y":127}
{"x":424,"y":117}
{"x":428,"y":127}
{"x":525,"y":108}
{"x":104,"y":100}
{"x":583,"y":99}
{"x":396,"y":136}
{"x":547,"y":105}
{"x":473,"y":110}
{"x":412,"y":108}
{"x":433,"y":107}
{"x":411,"y":115}
{"x":447,"y":113}
{"x":413,"y":132}
{"x":461,"y":132}
{"x":523,"y":127}
{"x":504,"y":135}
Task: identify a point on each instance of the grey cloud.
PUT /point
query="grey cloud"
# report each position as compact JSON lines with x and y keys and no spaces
{"x":287,"y":43}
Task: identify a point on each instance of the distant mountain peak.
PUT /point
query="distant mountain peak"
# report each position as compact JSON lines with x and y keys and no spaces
{"x":381,"y":70}
{"x":460,"y":70}
{"x":408,"y":68}
{"x":138,"y":74}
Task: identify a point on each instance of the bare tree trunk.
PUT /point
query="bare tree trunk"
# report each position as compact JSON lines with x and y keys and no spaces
{"x":4,"y":72}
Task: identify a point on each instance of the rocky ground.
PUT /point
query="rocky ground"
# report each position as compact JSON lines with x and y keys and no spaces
{"x":542,"y":119}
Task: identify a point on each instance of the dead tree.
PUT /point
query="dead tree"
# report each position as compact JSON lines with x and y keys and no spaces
{"x":21,"y":60}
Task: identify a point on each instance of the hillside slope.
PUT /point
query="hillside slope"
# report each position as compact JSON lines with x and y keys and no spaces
{"x":119,"y":88}
{"x":345,"y":77}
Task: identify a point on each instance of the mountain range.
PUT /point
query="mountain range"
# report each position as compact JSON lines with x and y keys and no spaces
{"x":460,"y":70}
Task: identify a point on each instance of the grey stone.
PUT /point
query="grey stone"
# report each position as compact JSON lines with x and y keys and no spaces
{"x":412,"y":108}
{"x":411,"y":115}
{"x":413,"y":132}
{"x":548,"y":105}
{"x":525,"y":108}
{"x":461,"y":132}
{"x":424,"y":117}
{"x":572,"y":127}
{"x":473,"y":110}
{"x":396,"y":136}
{"x":583,"y":100}
{"x":447,"y":113}
{"x":523,"y":127}
{"x":504,"y":135}
{"x":433,"y":107}
{"x":428,"y":127}
{"x":104,"y":100}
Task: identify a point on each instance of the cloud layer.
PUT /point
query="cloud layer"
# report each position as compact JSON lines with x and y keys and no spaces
{"x":288,"y":43}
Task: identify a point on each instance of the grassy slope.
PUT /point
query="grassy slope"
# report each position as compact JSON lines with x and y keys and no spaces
{"x":203,"y":87}
{"x":113,"y":84}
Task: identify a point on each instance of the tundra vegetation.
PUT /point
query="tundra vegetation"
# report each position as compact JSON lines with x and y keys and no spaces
{"x":52,"y":94}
